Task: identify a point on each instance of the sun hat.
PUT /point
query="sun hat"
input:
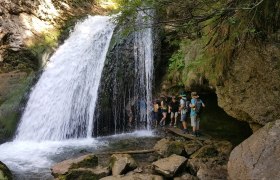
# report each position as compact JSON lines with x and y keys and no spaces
{"x":194,"y":94}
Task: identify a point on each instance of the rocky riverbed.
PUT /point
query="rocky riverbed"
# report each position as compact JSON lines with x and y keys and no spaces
{"x":170,"y":156}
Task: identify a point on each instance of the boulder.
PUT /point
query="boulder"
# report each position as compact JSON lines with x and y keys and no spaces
{"x":250,"y":87}
{"x":166,"y":147}
{"x":87,"y":173}
{"x":203,"y":165}
{"x":86,"y":161}
{"x":5,"y":173}
{"x":134,"y":176}
{"x":170,"y":165}
{"x":122,"y":163}
{"x":258,"y":157}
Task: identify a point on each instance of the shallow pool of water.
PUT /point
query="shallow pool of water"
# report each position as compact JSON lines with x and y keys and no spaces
{"x":30,"y":160}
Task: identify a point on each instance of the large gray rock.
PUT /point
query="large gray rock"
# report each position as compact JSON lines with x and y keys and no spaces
{"x":250,"y":88}
{"x":258,"y":157}
{"x":122,"y":163}
{"x":166,"y":147}
{"x":170,"y":165}
{"x":86,"y":173}
{"x":86,"y":161}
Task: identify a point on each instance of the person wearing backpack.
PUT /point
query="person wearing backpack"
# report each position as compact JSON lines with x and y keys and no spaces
{"x":184,"y":110}
{"x":196,"y":107}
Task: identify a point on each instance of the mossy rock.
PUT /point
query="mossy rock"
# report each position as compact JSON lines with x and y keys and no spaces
{"x":175,"y":147}
{"x":89,"y":162}
{"x":77,"y":174}
{"x":5,"y":173}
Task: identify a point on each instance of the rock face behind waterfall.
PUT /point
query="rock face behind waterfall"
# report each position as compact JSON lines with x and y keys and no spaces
{"x":116,"y":86}
{"x":119,"y":97}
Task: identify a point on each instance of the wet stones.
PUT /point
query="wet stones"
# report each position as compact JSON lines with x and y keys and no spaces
{"x":191,"y":159}
{"x":122,"y":163}
{"x":166,"y":147}
{"x":169,"y":166}
{"x":86,"y":161}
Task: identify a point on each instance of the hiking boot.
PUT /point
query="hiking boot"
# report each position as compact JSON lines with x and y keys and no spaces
{"x":193,"y":134}
{"x":175,"y":125}
{"x":185,"y":131}
{"x":197,"y":134}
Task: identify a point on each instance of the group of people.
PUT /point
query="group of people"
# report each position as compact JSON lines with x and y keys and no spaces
{"x":186,"y":108}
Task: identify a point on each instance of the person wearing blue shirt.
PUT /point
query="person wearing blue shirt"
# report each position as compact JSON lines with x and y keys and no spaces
{"x":196,"y":106}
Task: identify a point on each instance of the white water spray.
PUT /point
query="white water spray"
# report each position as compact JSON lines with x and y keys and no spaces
{"x":144,"y":63}
{"x":62,"y":103}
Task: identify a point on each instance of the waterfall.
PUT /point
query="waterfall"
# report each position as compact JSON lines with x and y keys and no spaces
{"x":143,"y":55}
{"x":62,"y":103}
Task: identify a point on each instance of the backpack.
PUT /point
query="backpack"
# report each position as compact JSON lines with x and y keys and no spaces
{"x":186,"y":106}
{"x":198,"y":106}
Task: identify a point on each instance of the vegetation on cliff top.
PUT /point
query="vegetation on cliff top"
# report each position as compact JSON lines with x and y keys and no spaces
{"x":213,"y":30}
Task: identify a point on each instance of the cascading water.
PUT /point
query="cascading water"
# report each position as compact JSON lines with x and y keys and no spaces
{"x":125,"y":100}
{"x":144,"y":65}
{"x":62,"y":103}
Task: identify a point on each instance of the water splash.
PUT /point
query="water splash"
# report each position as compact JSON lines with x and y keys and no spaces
{"x":62,"y":103}
{"x":144,"y":65}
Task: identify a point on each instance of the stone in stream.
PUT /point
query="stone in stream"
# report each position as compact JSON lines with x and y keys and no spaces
{"x":5,"y":173}
{"x":86,"y":161}
{"x":122,"y":163}
{"x":166,"y":147}
{"x":86,"y":173}
{"x":258,"y":157}
{"x":170,"y":165}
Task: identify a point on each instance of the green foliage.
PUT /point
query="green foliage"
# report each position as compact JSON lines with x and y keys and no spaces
{"x":45,"y":41}
{"x":176,"y":62}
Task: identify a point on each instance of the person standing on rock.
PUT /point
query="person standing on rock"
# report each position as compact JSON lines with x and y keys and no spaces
{"x":173,"y":109}
{"x":196,"y":107}
{"x":183,"y":111}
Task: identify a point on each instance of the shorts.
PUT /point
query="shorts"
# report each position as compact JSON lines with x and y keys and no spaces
{"x":195,"y":121}
{"x":183,"y":117}
{"x":174,"y":113}
{"x":155,"y":116}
